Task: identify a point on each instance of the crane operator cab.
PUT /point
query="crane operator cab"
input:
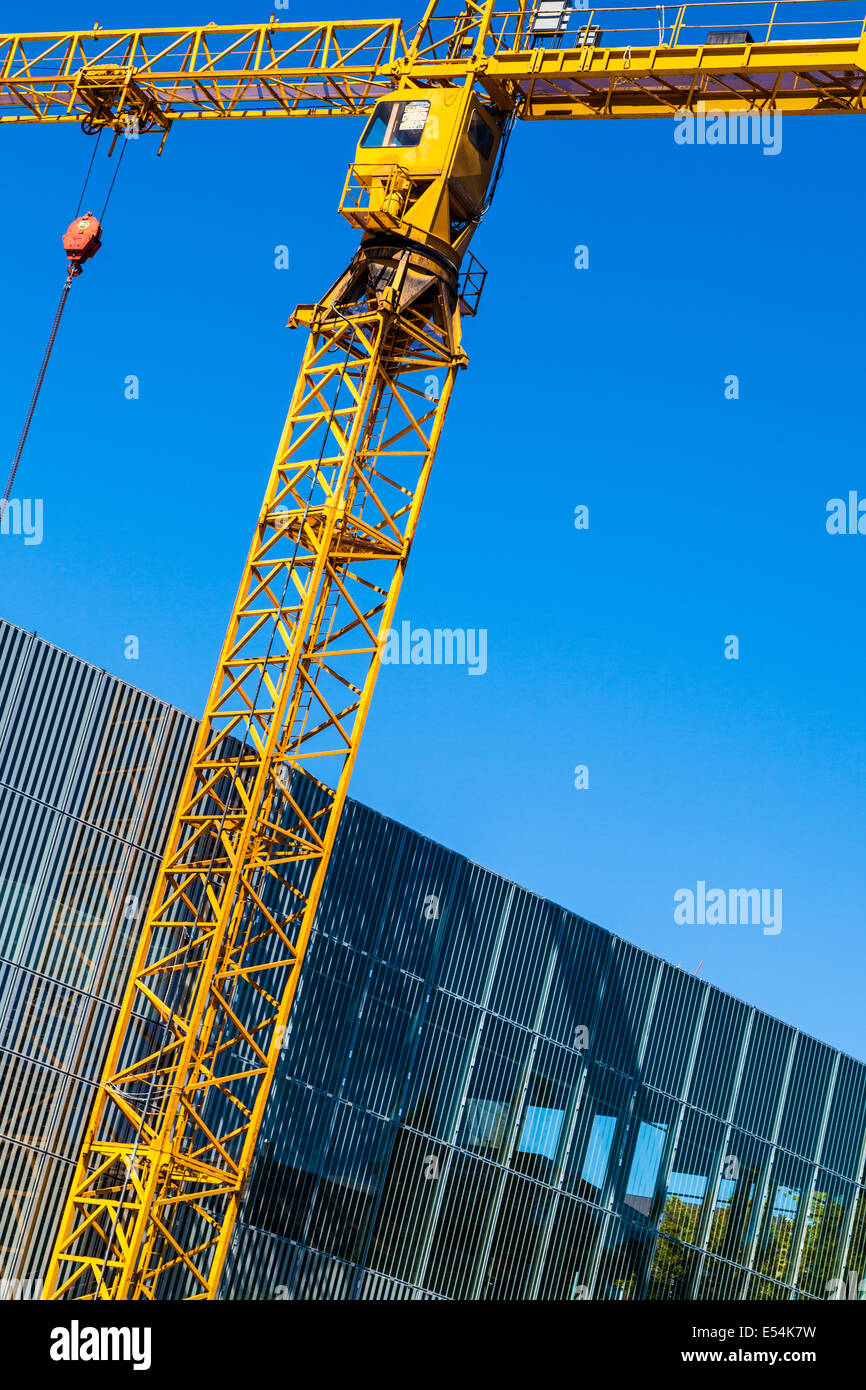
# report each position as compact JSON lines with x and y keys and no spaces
{"x":426,"y":158}
{"x":417,"y":186}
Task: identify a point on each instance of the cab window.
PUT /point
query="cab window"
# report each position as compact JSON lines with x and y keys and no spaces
{"x":395,"y":123}
{"x":481,"y":135}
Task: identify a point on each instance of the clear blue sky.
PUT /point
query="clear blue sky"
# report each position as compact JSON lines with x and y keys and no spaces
{"x":603,"y":386}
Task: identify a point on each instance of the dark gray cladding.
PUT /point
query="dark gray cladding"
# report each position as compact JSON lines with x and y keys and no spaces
{"x":481,"y":1095}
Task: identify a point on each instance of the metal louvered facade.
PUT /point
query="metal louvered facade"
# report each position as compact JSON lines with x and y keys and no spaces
{"x":481,"y":1095}
{"x":88,"y":769}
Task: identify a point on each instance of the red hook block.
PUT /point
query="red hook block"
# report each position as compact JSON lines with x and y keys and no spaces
{"x":81,"y":240}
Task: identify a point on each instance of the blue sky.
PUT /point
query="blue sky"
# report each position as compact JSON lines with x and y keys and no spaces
{"x":603,"y":387}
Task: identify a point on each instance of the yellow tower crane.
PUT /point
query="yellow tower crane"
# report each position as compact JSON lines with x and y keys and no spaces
{"x":169,"y":1145}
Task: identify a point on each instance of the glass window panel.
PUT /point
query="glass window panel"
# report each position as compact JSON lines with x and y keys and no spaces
{"x":521,"y":1222}
{"x":806,"y":1097}
{"x":9,"y":975}
{"x":653,"y":1125}
{"x":481,"y":135}
{"x":473,"y":924}
{"x":379,"y":1048}
{"x":469,"y":1187}
{"x":325,"y":1012}
{"x":484,"y":1126}
{"x":759,"y":1096}
{"x":758,"y":1288}
{"x":73,"y":1109}
{"x":348,"y":1181}
{"x":582,"y":953}
{"x":714,"y":1074}
{"x":168,"y":773}
{"x":598,"y":1152}
{"x":120,"y":939}
{"x":317,"y":1173}
{"x":366,"y":852}
{"x":542,"y":1127}
{"x":525,"y":959}
{"x":780,"y":1224}
{"x":410,"y":1190}
{"x":824,"y":1237}
{"x":854,"y":1268}
{"x":322,"y":1279}
{"x":117,"y":783}
{"x":719,"y":1280}
{"x":550,"y":1094}
{"x":32,"y":1192}
{"x":846,"y":1124}
{"x":84,"y":905}
{"x":599,"y":1131}
{"x":289,"y":1157}
{"x":445,"y":1045}
{"x":389,"y":890}
{"x":15,"y":645}
{"x":46,"y":1209}
{"x":737,"y":1205}
{"x":670,"y":1271}
{"x":20,"y":1170}
{"x":694,"y":1169}
{"x":416,"y":917}
{"x":47,"y":726}
{"x":645,"y":1165}
{"x":375,"y":1287}
{"x":396,"y":123}
{"x":627,"y":1249}
{"x":569,"y":1261}
{"x":672,"y":1029}
{"x":27,"y":834}
{"x":29,"y":1095}
{"x":628,"y":991}
{"x":488,"y":1121}
{"x":41,"y":1019}
{"x":259,"y":1266}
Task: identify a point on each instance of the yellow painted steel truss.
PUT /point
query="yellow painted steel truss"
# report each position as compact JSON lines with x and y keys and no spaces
{"x":169,"y":1146}
{"x":645,"y":66}
{"x":204,"y":72}
{"x":170,"y":1142}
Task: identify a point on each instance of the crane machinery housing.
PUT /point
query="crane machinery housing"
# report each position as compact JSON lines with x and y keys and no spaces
{"x":168,"y":1149}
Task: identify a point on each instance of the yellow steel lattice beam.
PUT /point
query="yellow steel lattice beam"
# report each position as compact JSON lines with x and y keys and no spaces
{"x":205,"y":72}
{"x":604,"y":62}
{"x":170,"y":1142}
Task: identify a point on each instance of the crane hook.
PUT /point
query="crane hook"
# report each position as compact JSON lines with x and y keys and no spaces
{"x":81,"y":240}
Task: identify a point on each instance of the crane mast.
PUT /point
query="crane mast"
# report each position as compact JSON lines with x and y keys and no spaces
{"x":173,"y":1132}
{"x":170,"y":1143}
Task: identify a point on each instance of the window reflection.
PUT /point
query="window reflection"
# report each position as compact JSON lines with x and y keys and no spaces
{"x":541,"y":1131}
{"x":645,"y":1164}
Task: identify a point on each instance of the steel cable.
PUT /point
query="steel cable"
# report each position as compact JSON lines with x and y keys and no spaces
{"x":10,"y":481}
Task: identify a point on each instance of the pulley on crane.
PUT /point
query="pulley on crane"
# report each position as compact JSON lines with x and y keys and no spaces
{"x":81,"y":240}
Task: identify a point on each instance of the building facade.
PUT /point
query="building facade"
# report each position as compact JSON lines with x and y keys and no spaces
{"x":480,"y":1095}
